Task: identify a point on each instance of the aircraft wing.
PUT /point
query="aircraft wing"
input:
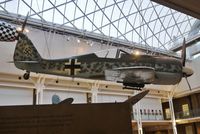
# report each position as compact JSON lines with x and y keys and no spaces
{"x":24,"y":62}
{"x":136,"y":74}
{"x":135,"y":67}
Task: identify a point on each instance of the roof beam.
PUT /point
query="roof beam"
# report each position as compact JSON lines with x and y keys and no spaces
{"x":190,"y":7}
{"x":189,"y":42}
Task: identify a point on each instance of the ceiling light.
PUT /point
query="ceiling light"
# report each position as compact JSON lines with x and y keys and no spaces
{"x":136,"y":52}
{"x":26,"y":30}
{"x":19,"y":29}
{"x":91,"y":44}
{"x":78,"y":41}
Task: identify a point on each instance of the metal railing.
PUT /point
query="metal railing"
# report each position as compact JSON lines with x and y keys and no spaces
{"x":188,"y":114}
{"x":149,"y":116}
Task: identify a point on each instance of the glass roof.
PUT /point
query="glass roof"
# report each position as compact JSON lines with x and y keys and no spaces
{"x":140,"y":21}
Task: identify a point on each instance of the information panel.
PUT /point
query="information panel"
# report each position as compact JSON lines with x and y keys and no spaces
{"x":109,"y":118}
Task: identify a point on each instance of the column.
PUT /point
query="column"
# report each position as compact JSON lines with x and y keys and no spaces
{"x":139,"y":118}
{"x":39,"y":93}
{"x":39,"y":85}
{"x":94,"y":91}
{"x":172,"y":115}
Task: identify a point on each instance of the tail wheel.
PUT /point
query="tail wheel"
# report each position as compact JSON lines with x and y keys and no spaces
{"x":26,"y":76}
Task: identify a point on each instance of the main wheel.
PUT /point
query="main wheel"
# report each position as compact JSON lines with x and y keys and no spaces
{"x":26,"y":76}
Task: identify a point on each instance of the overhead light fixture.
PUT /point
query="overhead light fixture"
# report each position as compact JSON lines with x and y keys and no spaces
{"x":91,"y":43}
{"x":26,"y":30}
{"x":78,"y":41}
{"x":19,"y":29}
{"x":137,"y":52}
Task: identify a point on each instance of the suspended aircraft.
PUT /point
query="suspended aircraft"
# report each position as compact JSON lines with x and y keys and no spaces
{"x":134,"y":71}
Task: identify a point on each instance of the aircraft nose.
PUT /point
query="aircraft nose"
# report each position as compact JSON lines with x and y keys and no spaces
{"x":187,"y":71}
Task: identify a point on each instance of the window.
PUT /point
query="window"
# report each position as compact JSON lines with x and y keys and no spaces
{"x":196,"y":55}
{"x":188,"y":130}
{"x":185,"y":109}
{"x":168,"y":113}
{"x":89,"y":98}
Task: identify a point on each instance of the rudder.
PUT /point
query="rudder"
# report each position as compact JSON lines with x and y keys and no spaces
{"x":25,"y":50}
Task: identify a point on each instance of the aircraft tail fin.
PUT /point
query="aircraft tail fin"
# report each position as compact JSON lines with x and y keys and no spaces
{"x":134,"y":99}
{"x":183,"y":54}
{"x":25,"y":50}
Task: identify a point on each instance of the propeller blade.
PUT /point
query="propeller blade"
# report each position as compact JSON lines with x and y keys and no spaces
{"x":24,"y":24}
{"x":67,"y":101}
{"x":183,"y":54}
{"x":188,"y":83}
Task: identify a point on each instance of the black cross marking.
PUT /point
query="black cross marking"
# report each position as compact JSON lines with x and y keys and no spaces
{"x":72,"y":66}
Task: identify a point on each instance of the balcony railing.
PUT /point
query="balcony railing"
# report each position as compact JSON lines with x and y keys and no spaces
{"x":149,"y":116}
{"x":188,"y":114}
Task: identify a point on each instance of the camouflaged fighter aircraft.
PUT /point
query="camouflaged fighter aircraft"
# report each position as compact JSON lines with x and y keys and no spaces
{"x":131,"y":70}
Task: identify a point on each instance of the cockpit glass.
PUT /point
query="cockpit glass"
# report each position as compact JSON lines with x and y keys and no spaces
{"x":111,"y":53}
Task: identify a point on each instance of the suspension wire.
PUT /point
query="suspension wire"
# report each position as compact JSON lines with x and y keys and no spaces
{"x":45,"y":37}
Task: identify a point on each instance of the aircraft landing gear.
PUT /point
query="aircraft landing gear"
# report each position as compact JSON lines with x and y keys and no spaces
{"x":26,"y":76}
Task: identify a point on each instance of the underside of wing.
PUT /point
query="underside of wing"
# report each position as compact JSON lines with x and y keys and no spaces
{"x":135,"y":75}
{"x":26,"y":62}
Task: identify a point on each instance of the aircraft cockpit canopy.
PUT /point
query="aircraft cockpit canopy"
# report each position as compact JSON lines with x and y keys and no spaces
{"x":112,"y":53}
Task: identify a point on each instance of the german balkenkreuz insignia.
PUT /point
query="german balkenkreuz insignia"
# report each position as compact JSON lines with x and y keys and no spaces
{"x":72,"y":67}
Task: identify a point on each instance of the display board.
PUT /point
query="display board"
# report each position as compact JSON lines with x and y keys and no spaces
{"x":66,"y":119}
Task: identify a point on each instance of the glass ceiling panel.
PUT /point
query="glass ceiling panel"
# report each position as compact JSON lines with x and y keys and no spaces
{"x":140,"y":21}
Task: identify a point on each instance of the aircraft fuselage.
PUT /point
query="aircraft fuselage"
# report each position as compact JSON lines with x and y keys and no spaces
{"x":167,"y":70}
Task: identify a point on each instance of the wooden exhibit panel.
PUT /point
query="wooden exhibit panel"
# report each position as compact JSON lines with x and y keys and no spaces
{"x":109,"y":118}
{"x":190,"y":7}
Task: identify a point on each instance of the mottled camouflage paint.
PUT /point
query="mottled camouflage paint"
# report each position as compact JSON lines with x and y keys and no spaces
{"x":27,"y":58}
{"x":25,"y":50}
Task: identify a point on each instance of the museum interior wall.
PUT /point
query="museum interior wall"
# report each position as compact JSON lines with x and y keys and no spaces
{"x":16,"y":91}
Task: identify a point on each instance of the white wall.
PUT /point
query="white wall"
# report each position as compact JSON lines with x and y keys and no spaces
{"x":77,"y":96}
{"x":111,"y":98}
{"x":15,"y":96}
{"x":149,"y":104}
